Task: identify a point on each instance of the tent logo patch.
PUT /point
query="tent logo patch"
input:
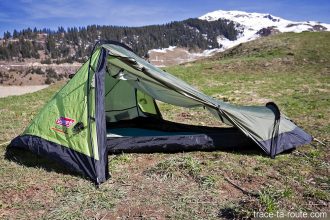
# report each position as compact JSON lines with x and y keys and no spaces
{"x":67,"y":122}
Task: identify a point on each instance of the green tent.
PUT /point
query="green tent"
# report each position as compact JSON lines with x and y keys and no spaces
{"x":109,"y":106}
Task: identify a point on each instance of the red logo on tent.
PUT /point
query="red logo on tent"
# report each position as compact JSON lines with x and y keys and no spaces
{"x":67,"y":122}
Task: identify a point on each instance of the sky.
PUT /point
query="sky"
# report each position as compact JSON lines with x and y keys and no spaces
{"x":19,"y":14}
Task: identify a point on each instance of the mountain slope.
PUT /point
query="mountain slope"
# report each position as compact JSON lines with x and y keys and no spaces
{"x":253,"y":25}
{"x":301,"y":47}
{"x":249,"y":26}
{"x":76,"y":43}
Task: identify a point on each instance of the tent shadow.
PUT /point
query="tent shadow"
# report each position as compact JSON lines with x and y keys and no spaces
{"x":248,"y":152}
{"x":27,"y":158}
{"x":256,"y":151}
{"x":248,"y":149}
{"x":251,"y":150}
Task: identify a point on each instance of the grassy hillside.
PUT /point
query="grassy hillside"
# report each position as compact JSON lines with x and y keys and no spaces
{"x":291,"y":69}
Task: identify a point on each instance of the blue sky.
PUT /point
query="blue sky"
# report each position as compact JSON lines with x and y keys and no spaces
{"x":18,"y":14}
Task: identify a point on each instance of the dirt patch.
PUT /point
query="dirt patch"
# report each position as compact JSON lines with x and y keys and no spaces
{"x":34,"y":73}
{"x":19,"y":90}
{"x":174,"y":56}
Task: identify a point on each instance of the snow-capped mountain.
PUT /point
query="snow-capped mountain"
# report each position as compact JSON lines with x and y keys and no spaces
{"x":250,"y":26}
{"x":254,"y":25}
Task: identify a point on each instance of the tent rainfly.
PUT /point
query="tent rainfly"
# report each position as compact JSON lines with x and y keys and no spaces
{"x":109,"y":107}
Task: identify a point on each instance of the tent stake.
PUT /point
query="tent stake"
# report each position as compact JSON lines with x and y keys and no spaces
{"x":320,"y":142}
{"x":240,"y":188}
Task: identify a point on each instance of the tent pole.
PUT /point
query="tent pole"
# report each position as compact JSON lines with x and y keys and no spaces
{"x":88,"y":102}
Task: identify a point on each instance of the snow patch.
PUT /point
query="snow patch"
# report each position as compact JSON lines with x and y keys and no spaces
{"x":163,"y":50}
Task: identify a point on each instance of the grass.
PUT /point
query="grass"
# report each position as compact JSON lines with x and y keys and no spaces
{"x":291,"y":69}
{"x":176,"y":167}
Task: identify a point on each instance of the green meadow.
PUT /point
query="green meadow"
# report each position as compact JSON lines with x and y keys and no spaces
{"x":290,"y":69}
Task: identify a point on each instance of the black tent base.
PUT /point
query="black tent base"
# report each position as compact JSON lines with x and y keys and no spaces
{"x":151,"y":135}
